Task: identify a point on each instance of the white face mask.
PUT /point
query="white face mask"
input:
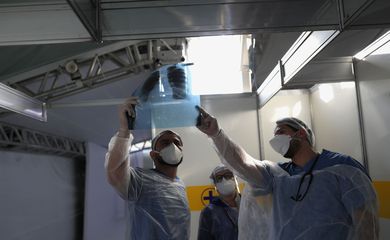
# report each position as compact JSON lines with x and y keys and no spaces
{"x":226,"y":187}
{"x":171,"y":154}
{"x":280,"y":143}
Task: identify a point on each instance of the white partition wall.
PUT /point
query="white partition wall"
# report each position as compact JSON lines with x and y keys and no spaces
{"x":373,"y":76}
{"x":335,"y":118}
{"x":329,"y":109}
{"x":291,"y":103}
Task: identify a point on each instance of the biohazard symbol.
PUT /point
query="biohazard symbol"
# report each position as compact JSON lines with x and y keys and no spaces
{"x":207,"y":195}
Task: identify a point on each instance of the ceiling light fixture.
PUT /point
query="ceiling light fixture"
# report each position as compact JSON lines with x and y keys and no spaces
{"x":367,"y":51}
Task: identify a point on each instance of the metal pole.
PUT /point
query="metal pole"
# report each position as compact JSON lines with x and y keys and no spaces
{"x":361,"y":120}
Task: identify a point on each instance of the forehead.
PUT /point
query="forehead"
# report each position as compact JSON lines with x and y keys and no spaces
{"x":223,"y":172}
{"x":283,"y":128}
{"x":168,"y":137}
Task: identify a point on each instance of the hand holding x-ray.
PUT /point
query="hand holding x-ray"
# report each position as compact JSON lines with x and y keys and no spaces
{"x":127,"y":113}
{"x":207,"y":123}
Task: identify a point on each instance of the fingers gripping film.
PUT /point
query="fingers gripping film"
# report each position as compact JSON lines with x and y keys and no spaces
{"x":129,"y":111}
{"x":207,"y":123}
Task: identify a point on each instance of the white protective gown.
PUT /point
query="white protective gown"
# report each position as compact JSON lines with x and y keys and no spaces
{"x":158,"y":206}
{"x":340,"y":203}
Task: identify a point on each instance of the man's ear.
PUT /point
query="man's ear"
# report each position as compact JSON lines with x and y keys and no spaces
{"x":302,"y":133}
{"x":153,"y":154}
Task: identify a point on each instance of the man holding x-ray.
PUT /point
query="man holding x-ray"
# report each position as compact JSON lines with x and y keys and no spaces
{"x":156,"y":198}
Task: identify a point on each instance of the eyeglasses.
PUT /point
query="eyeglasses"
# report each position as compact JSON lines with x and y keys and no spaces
{"x":298,"y":196}
{"x":227,"y":176}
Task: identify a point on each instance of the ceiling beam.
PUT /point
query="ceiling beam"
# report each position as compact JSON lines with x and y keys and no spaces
{"x":40,"y":23}
{"x":21,"y":103}
{"x":89,"y":14}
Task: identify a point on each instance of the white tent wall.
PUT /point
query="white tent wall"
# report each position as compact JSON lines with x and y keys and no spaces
{"x":373,"y":76}
{"x":41,"y":197}
{"x":104,"y":211}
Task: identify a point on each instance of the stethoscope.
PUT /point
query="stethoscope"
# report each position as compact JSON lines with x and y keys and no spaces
{"x":299,"y":197}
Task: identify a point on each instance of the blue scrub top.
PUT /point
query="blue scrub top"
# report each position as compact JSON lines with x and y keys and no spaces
{"x":326,"y":159}
{"x":218,"y":221}
{"x":340,"y":186}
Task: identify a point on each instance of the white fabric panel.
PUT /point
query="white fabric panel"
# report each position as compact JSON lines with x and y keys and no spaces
{"x":104,"y":210}
{"x":336,"y":119}
{"x":40,"y":197}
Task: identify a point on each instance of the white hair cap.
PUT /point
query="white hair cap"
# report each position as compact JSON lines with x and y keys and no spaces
{"x":217,"y":169}
{"x":296,"y":124}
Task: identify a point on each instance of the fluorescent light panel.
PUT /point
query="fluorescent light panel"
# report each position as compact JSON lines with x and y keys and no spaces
{"x":270,"y":86}
{"x":19,"y":102}
{"x":307,"y":46}
{"x":385,"y":38}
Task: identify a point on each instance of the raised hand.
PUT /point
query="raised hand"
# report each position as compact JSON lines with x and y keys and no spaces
{"x":127,"y":113}
{"x":207,"y":123}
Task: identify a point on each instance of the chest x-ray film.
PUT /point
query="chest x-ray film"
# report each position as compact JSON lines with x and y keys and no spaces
{"x":166,"y":99}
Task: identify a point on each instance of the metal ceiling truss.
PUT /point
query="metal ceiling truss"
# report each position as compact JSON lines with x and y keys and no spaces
{"x":81,"y":74}
{"x":19,"y":138}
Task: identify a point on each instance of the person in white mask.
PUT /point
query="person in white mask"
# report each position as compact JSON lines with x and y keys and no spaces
{"x":156,"y":198}
{"x":219,"y":219}
{"x":316,"y":195}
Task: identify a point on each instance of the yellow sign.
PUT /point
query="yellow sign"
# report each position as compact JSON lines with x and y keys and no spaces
{"x":200,"y":196}
{"x":383,"y":191}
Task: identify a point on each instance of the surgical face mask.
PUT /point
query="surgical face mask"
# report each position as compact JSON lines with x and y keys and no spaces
{"x":281,"y":143}
{"x":172,"y":155}
{"x":226,"y":187}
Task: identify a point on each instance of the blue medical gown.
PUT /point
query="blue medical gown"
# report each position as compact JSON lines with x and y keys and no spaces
{"x":158,"y":207}
{"x":340,"y":204}
{"x":218,"y":221}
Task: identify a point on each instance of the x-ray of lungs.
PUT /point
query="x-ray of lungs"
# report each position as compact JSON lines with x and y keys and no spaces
{"x":166,"y":99}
